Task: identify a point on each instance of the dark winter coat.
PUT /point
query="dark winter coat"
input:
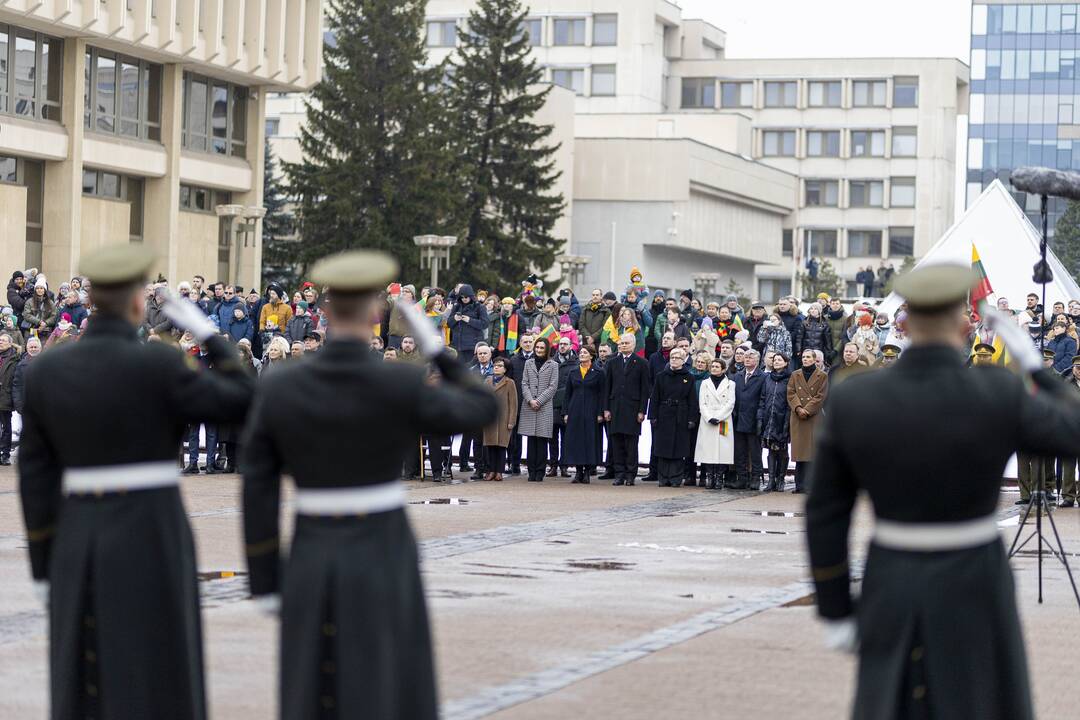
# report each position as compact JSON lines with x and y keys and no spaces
{"x":748,"y":399}
{"x":774,"y":415}
{"x":8,"y":360}
{"x":526,"y":319}
{"x":657,"y":362}
{"x":78,"y":313}
{"x":673,"y":411}
{"x":793,"y":320}
{"x":224,"y":311}
{"x":626,"y":393}
{"x":299,"y":327}
{"x":18,"y":385}
{"x":582,"y":443}
{"x":566,"y":368}
{"x":517,"y":370}
{"x":466,"y":333}
{"x":16,"y":296}
{"x":37,"y":311}
{"x":816,"y":335}
{"x":1064,"y":348}
{"x":237,"y":330}
{"x":155,"y":319}
{"x":837,"y":322}
{"x":592,"y":321}
{"x":753,"y":327}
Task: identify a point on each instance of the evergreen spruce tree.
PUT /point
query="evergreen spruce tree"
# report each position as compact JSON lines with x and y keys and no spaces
{"x":279,"y":261}
{"x":375,"y":159}
{"x":1066,"y":240}
{"x":505,"y":158}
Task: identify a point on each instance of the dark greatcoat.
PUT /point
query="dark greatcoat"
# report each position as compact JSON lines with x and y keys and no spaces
{"x":121,"y":564}
{"x":956,"y":608}
{"x":672,"y":408}
{"x":626,"y":393}
{"x":582,"y":443}
{"x":774,"y":415}
{"x":747,"y":400}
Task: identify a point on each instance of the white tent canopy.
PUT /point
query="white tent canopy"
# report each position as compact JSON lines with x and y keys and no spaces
{"x":1008,"y":245}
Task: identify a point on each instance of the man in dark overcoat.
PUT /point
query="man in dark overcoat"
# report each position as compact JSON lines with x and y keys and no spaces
{"x":749,"y":383}
{"x":626,"y":395}
{"x":673,"y":412}
{"x":936,"y":624}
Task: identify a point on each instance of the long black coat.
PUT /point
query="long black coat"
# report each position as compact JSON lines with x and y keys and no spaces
{"x":582,"y":444}
{"x":774,"y":415}
{"x":672,"y":409}
{"x":9,"y":359}
{"x":958,"y":607}
{"x":748,"y":399}
{"x":626,"y":393}
{"x":817,"y":335}
{"x":566,"y":369}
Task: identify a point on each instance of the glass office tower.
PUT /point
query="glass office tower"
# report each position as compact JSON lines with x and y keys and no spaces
{"x":1025,"y":94}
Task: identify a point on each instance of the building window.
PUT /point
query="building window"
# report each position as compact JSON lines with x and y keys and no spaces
{"x":868,"y":93}
{"x":902,"y":192}
{"x":699,"y":93}
{"x":903,"y":142}
{"x":823,"y":143}
{"x":215,"y":116}
{"x":570,"y":31}
{"x":605,"y":30}
{"x":787,"y":245}
{"x":778,"y":143}
{"x":905,"y":92}
{"x":866,"y":193}
{"x":98,"y":183}
{"x":772,"y":289}
{"x":202,"y":199}
{"x":867,"y":143}
{"x":825,"y":94}
{"x":570,"y":78}
{"x":780,"y":94}
{"x":603,"y":80}
{"x":122,"y":95}
{"x":533,"y":29}
{"x":442,"y":33}
{"x":822,"y":193}
{"x":273,"y":126}
{"x":31,"y":68}
{"x":736,"y":94}
{"x":822,"y":243}
{"x":864,"y":243}
{"x":31,"y":175}
{"x":901,"y":242}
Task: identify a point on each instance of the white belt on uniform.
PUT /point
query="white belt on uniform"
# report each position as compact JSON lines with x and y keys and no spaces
{"x":350,"y":500}
{"x":935,"y":537}
{"x":117,"y":478}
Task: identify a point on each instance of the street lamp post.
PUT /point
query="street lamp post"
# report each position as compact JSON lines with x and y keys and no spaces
{"x":435,"y":251}
{"x":705,"y":285}
{"x":573,"y":268}
{"x":241,"y":221}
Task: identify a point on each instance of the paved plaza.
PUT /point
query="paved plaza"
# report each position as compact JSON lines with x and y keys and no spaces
{"x":559,"y":601}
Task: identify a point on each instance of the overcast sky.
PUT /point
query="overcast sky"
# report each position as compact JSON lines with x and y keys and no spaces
{"x":839,"y":28}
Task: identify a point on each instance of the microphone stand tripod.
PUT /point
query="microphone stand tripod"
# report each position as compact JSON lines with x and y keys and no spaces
{"x":1043,"y":276}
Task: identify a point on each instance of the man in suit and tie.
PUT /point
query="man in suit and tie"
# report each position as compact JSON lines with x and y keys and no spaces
{"x":748,"y":386}
{"x":626,"y":395}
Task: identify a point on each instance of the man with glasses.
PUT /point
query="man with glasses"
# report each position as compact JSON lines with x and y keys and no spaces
{"x":225,"y":307}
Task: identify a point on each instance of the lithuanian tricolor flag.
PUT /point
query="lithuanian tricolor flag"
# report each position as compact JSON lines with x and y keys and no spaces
{"x":982,"y":289}
{"x":550,"y":334}
{"x":609,"y":334}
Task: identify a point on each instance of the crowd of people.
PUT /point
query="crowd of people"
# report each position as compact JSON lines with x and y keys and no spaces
{"x":720,"y":384}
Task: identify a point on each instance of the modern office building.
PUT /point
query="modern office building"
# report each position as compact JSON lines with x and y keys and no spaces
{"x":1025,"y":94}
{"x":143,"y":121}
{"x":867,"y":146}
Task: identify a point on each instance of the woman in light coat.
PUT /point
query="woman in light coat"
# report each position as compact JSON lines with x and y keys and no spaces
{"x":536,"y":416}
{"x":716,"y":436}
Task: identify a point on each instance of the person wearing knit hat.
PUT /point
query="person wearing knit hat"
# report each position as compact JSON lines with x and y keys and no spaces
{"x":300,"y":324}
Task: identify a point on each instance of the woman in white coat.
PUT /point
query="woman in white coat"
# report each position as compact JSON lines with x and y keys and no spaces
{"x":716,"y":436}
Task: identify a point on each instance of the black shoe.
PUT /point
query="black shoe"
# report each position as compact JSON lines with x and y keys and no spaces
{"x":585,"y":480}
{"x":1066,"y":503}
{"x":618,"y":481}
{"x":212,"y":470}
{"x":190,"y":470}
{"x":564,"y":472}
{"x":477,"y":476}
{"x":551,"y":472}
{"x":630,"y":482}
{"x":465,"y":468}
{"x":515,"y":470}
{"x":663,"y":483}
{"x":1022,"y":501}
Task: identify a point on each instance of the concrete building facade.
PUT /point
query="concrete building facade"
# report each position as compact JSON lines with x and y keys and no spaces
{"x":143,"y":121}
{"x":866,"y":147}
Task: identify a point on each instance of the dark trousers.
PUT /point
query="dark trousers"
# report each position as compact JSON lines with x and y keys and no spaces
{"x":495,"y":458}
{"x":513,"y":453}
{"x":624,"y":455}
{"x":537,"y":455}
{"x":1068,"y":478}
{"x":747,"y":458}
{"x":558,"y":436}
{"x":472,"y":446}
{"x":193,"y":445}
{"x":802,"y":476}
{"x":411,"y":467}
{"x":5,"y":433}
{"x":778,"y":462}
{"x":1034,"y":472}
{"x":438,"y":457}
{"x":669,"y":472}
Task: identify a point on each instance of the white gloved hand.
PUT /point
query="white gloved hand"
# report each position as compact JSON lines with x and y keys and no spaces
{"x":186,"y":315}
{"x":268,"y":604}
{"x":428,"y":340}
{"x":1016,"y":340}
{"x":842,"y":635}
{"x":41,"y":592}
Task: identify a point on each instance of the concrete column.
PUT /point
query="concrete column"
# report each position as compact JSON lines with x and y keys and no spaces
{"x":62,"y":207}
{"x":161,"y":200}
{"x":249,"y":260}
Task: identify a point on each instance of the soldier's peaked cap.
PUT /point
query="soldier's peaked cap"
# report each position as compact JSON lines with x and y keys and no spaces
{"x":355,"y":271}
{"x":935,"y":287}
{"x":984,"y":349}
{"x":117,"y":264}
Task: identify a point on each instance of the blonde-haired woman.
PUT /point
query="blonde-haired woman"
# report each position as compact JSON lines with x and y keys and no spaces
{"x":277,"y":352}
{"x":716,"y":436}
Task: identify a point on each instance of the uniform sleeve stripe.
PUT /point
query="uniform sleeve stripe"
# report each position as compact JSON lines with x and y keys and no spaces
{"x":262,"y":548}
{"x":832,"y":572}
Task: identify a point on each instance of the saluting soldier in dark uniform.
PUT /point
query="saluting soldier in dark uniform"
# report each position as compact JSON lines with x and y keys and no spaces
{"x":354,"y":627}
{"x":110,"y":545}
{"x":937,"y":628}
